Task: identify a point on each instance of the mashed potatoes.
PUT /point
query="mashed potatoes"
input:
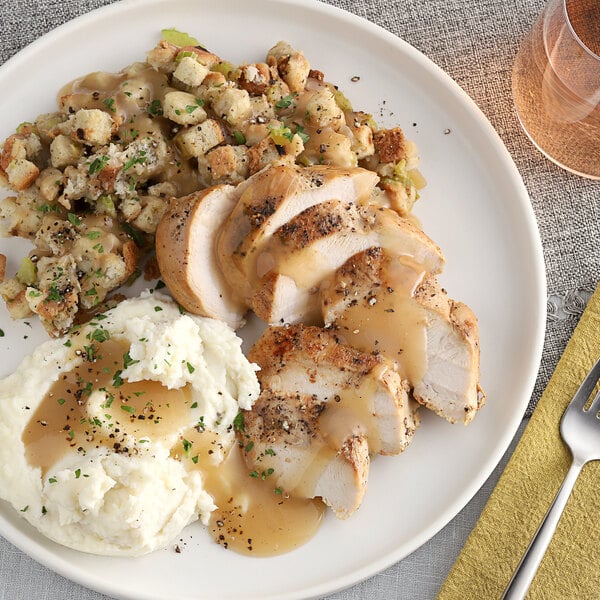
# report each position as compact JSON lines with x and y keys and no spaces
{"x":106,"y":465}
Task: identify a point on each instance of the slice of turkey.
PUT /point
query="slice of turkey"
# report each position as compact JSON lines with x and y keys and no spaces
{"x":185,"y":251}
{"x":433,"y":339}
{"x":363,"y":394}
{"x":287,"y":443}
{"x":309,"y":248}
{"x":271,"y":198}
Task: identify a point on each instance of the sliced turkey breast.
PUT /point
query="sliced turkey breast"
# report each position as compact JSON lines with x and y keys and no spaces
{"x":362,"y":392}
{"x":377,"y":304}
{"x":270,"y":199}
{"x":450,"y":384}
{"x":283,"y":440}
{"x":185,"y":251}
{"x":310,"y":247}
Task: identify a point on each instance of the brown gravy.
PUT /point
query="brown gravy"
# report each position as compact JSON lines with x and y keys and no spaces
{"x":389,"y":320}
{"x":253,"y":517}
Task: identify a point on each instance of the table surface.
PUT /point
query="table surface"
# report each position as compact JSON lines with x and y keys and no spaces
{"x":475,"y":42}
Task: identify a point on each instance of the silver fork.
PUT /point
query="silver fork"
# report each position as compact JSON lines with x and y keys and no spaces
{"x":580,"y":430}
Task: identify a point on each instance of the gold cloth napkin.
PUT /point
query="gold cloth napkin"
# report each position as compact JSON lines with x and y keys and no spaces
{"x":531,"y":479}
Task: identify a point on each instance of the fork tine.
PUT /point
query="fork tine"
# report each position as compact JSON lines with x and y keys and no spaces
{"x":586,"y":388}
{"x":595,"y":405}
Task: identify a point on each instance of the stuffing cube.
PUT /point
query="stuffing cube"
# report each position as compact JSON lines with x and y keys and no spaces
{"x":64,"y":152}
{"x":323,"y":111}
{"x":227,"y":164}
{"x":233,"y":105}
{"x":199,"y":139}
{"x":189,"y":72}
{"x":49,"y":182}
{"x":183,"y":108}
{"x":92,"y":126}
{"x":21,"y":173}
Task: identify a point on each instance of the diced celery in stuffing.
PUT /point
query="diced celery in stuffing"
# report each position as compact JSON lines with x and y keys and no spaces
{"x":223,"y":67}
{"x":342,"y":101}
{"x":105,"y":205}
{"x":27,"y":271}
{"x":281,"y":135}
{"x":401,"y":175}
{"x":178,"y":38}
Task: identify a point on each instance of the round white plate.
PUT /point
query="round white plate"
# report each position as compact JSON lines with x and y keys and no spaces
{"x":475,"y":207}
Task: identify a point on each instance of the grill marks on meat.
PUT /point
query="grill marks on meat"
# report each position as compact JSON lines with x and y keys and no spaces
{"x":324,"y":408}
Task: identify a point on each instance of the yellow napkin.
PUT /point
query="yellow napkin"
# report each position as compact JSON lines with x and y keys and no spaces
{"x":571,"y":567}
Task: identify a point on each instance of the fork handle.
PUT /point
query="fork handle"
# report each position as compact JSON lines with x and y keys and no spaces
{"x":527,"y":568}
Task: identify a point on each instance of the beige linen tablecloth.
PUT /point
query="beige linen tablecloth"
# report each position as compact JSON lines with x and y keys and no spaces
{"x":474,"y":41}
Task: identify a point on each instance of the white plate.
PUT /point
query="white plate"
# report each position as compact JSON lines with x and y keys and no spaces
{"x":475,"y":206}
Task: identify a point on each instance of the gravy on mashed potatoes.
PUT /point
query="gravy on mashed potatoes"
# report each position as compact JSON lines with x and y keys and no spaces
{"x":97,"y":429}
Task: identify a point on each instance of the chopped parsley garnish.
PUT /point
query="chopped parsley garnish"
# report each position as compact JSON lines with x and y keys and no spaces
{"x":187,"y":445}
{"x":52,"y":480}
{"x":155,"y":108}
{"x":286,"y":101}
{"x":239,"y":137}
{"x":127,"y":408}
{"x":77,"y":473}
{"x":249,"y":446}
{"x":190,"y":108}
{"x":100,"y":335}
{"x":117,"y":379}
{"x":54,"y":294}
{"x":93,"y":235}
{"x":157,"y":308}
{"x":238,"y":422}
{"x":128,"y":361}
{"x":300,"y":132}
{"x":98,"y":164}
{"x":263,"y":474}
{"x":278,"y":490}
{"x":110,"y":104}
{"x":61,"y":401}
{"x":74,"y":219}
{"x":90,"y":352}
{"x":191,"y":368}
{"x":140,"y":159}
{"x":195,"y":459}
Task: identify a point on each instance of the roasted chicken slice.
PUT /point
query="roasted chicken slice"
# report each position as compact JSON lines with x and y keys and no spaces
{"x":185,"y":250}
{"x":363,"y":394}
{"x":270,"y":199}
{"x":309,"y":248}
{"x":283,"y":439}
{"x":378,"y":304}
